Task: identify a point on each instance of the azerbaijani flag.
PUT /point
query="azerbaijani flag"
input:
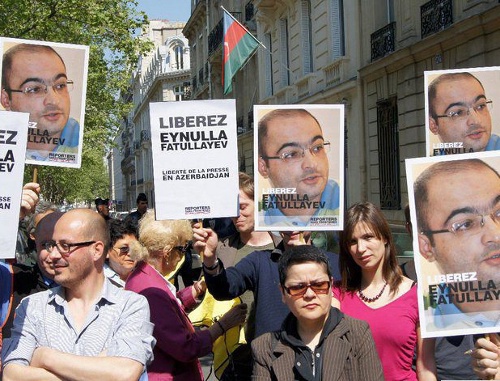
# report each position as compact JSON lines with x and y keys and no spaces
{"x":239,"y":45}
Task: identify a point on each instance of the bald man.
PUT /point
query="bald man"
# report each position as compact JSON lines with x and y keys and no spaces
{"x":86,"y":328}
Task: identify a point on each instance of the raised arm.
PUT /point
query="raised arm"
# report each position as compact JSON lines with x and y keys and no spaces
{"x":29,"y":199}
{"x":205,"y":241}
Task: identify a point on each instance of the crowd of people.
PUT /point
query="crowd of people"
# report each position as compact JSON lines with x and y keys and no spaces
{"x":99,"y":302}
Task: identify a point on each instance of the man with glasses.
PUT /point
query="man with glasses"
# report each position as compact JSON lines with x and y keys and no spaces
{"x":459,"y":112}
{"x":293,"y":157}
{"x":86,"y":328}
{"x":458,"y":217}
{"x":34,"y":80}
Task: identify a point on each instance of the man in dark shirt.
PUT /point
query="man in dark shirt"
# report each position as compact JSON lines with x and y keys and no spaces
{"x":142,"y":208}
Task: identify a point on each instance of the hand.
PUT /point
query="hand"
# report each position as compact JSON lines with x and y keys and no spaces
{"x":234,"y":317}
{"x":29,"y":199}
{"x":486,"y":358}
{"x":199,"y":288}
{"x":205,"y":241}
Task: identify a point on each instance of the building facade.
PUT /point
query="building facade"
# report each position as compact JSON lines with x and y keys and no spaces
{"x":368,"y":55}
{"x":162,"y":76}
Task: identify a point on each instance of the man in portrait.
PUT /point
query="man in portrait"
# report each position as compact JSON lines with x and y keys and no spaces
{"x":457,"y":207}
{"x":293,"y":157}
{"x":459,"y":113}
{"x":34,"y":80}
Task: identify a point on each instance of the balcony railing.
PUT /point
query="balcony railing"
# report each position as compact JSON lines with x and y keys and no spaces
{"x":216,"y":35}
{"x":383,"y":41}
{"x":145,"y":136}
{"x":435,"y":15}
{"x":250,"y":119}
{"x":194,"y":81}
{"x":200,"y":76}
{"x":249,"y":11}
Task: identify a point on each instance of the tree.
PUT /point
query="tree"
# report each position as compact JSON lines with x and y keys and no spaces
{"x":108,"y":27}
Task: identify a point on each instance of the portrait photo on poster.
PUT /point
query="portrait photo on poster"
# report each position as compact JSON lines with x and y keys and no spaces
{"x":462,"y":110}
{"x":455,"y":213}
{"x":299,"y":167}
{"x":48,"y":80}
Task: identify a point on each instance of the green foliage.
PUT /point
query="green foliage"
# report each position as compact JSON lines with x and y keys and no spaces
{"x":108,"y":27}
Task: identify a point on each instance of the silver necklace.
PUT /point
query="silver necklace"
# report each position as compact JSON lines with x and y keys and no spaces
{"x":371,"y":300}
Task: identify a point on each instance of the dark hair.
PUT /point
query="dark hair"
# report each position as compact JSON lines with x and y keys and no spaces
{"x":421,"y":184}
{"x":119,"y":229}
{"x":370,"y":215}
{"x":432,"y":89}
{"x":141,"y":197}
{"x":297,"y":255}
{"x":279,"y":113}
{"x":8,"y":57}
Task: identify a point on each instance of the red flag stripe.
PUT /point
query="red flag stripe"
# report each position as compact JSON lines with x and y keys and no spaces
{"x":234,"y":34}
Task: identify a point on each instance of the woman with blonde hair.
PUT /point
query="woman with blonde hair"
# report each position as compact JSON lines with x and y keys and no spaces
{"x":178,"y":345}
{"x":374,"y":289}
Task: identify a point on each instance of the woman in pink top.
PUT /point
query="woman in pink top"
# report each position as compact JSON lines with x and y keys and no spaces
{"x":373,"y":289}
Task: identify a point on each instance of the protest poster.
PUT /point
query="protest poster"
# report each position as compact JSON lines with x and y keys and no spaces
{"x":299,"y":167}
{"x":195,"y":159}
{"x":48,"y":80}
{"x":462,"y":114}
{"x":13,"y":135}
{"x":455,"y":211}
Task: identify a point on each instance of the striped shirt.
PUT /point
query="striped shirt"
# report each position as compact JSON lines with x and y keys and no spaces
{"x":118,"y":324}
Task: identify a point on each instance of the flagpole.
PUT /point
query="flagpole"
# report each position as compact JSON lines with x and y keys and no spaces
{"x":246,"y":30}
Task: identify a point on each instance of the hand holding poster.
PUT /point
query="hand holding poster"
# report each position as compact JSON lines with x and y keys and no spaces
{"x":195,"y":159}
{"x":47,"y":80}
{"x":299,"y":155}
{"x":13,"y":134}
{"x":459,"y":112}
{"x":455,"y":210}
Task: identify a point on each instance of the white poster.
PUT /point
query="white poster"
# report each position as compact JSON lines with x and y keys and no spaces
{"x":195,"y":159}
{"x":455,"y":213}
{"x":299,"y":162}
{"x":462,"y":114}
{"x":48,"y":80}
{"x":13,"y":135}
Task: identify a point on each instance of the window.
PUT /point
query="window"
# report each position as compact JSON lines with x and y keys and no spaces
{"x":337,"y":30}
{"x":268,"y":65}
{"x":179,"y":93}
{"x":388,"y":154}
{"x":306,"y":31}
{"x":179,"y":57}
{"x":285,"y":71}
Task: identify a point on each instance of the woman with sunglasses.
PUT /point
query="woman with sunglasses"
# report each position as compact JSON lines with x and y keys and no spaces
{"x":316,"y":341}
{"x":178,"y":345}
{"x":373,"y":289}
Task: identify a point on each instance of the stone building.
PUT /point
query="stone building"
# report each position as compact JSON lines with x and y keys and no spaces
{"x":164,"y":75}
{"x":368,"y":55}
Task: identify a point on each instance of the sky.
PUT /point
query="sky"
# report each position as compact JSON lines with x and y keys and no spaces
{"x":172,"y":10}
